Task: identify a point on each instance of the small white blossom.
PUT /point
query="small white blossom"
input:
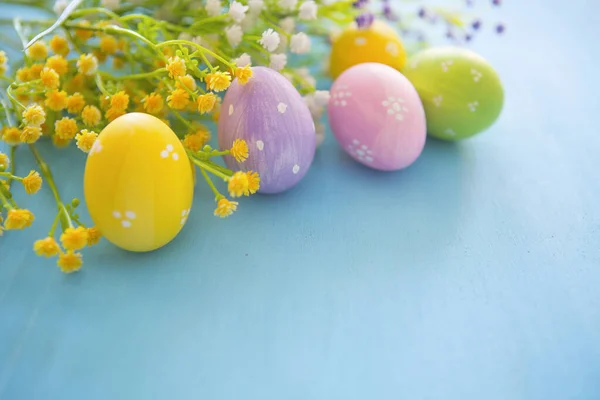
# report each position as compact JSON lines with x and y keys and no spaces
{"x":59,"y":6}
{"x":300,"y":43}
{"x":288,"y":4}
{"x":308,"y":11}
{"x":278,"y":61}
{"x":270,"y":40}
{"x":111,"y":4}
{"x":256,"y":6}
{"x":288,"y":24}
{"x":320,"y":131}
{"x":322,"y":97}
{"x":213,"y":7}
{"x":237,"y":11}
{"x":243,"y":60}
{"x":234,"y":35}
{"x":316,"y":103}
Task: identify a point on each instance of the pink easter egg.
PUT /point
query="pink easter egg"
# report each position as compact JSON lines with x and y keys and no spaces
{"x":376,"y":115}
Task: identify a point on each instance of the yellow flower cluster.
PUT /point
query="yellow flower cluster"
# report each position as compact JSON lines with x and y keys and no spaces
{"x":62,"y":92}
{"x":72,"y":239}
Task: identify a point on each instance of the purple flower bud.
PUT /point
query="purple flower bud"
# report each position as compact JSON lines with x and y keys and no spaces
{"x":476,"y":24}
{"x":365,"y":20}
{"x":360,"y":3}
{"x":500,"y":28}
{"x":496,"y":2}
{"x":388,"y":13}
{"x":422,"y":13}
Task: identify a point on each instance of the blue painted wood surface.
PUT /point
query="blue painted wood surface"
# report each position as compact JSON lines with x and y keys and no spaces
{"x":474,"y":274}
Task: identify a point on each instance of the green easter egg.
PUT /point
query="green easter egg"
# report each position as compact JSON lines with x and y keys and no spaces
{"x":460,"y":91}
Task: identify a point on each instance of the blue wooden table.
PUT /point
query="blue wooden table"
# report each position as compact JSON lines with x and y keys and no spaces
{"x":474,"y":274}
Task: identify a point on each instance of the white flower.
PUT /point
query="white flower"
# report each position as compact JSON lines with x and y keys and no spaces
{"x":111,"y":4}
{"x":320,"y":131}
{"x":237,"y":11}
{"x":288,"y":24}
{"x":256,"y":6}
{"x":234,"y":35}
{"x":243,"y":60}
{"x":322,"y":97}
{"x":213,"y":7}
{"x":270,"y":39}
{"x":300,"y":43}
{"x":288,"y":4}
{"x":316,"y":103}
{"x":308,"y":10}
{"x":59,"y":6}
{"x":278,"y":61}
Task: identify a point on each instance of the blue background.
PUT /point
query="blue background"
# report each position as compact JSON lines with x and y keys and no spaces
{"x":474,"y":274}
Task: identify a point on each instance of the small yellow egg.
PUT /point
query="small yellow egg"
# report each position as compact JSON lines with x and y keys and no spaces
{"x":379,"y":43}
{"x":138,"y":183}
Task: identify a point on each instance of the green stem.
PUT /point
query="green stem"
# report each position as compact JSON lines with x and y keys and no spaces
{"x":10,"y":176}
{"x":210,"y":183}
{"x":183,"y":120}
{"x":13,"y":150}
{"x":100,"y":85}
{"x":12,"y":98}
{"x":209,"y":19}
{"x":4,"y":198}
{"x":201,"y":48}
{"x":54,"y":224}
{"x":95,"y":10}
{"x":144,"y":75}
{"x":65,"y":219}
{"x":209,"y":167}
{"x":187,"y":89}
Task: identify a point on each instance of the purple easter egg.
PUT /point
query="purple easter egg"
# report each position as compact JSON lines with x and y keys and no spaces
{"x":376,"y":115}
{"x":271,"y":116}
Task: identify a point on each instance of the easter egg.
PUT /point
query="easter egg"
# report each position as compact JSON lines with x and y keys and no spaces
{"x":377,"y":117}
{"x":271,"y":116}
{"x":138,"y":183}
{"x":377,"y":43}
{"x":461,"y":92}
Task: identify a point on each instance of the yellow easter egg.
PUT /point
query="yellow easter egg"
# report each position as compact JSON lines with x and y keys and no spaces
{"x":378,"y":43}
{"x":138,"y":183}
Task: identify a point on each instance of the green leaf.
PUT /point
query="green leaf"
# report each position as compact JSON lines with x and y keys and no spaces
{"x":63,"y":17}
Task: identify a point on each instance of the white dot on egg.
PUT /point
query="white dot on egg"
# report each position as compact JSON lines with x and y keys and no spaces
{"x":296,"y":169}
{"x":392,"y":49}
{"x":169,"y":147}
{"x":360,"y":41}
{"x":164,"y":154}
{"x":230,"y":109}
{"x":117,"y":214}
{"x":260,"y":145}
{"x":130,"y":214}
{"x":356,"y":142}
{"x":126,"y":224}
{"x":175,"y":156}
{"x":183,"y":213}
{"x":282,"y":107}
{"x":183,"y":220}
